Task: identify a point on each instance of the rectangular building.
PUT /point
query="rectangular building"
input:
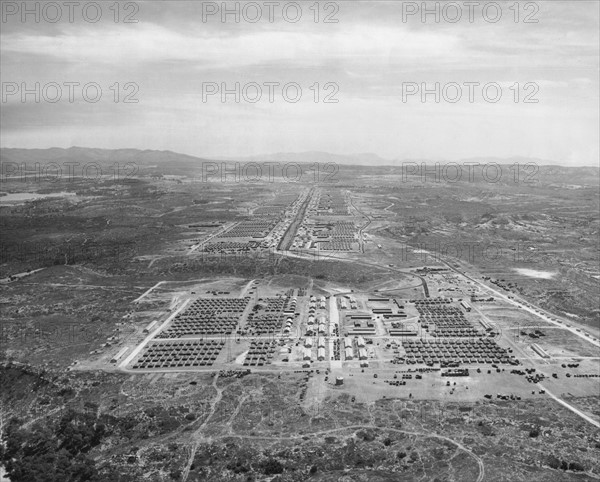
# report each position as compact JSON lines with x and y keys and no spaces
{"x":119,"y":355}
{"x":321,"y":354}
{"x":539,"y":350}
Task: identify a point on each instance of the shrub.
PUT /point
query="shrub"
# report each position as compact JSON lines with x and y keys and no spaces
{"x":553,"y":462}
{"x":272,"y":467}
{"x":366,"y":435}
{"x":576,"y":467}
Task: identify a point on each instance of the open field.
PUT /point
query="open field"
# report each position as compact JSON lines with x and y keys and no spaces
{"x":340,"y":338}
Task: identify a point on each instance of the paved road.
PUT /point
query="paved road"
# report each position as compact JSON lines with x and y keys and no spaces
{"x":155,"y":333}
{"x":288,"y":237}
{"x":521,"y":305}
{"x":361,"y":242}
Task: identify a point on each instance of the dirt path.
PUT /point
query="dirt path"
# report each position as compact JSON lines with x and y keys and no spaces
{"x":148,"y":292}
{"x":197,"y":434}
{"x":305,"y":256}
{"x":357,"y":427}
{"x":570,"y":407}
{"x":47,"y":414}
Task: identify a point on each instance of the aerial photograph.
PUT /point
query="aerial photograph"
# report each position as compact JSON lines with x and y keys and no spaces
{"x":300,"y":241}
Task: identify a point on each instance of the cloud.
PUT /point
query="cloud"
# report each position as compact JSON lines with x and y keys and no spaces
{"x":369,"y":53}
{"x":152,"y":43}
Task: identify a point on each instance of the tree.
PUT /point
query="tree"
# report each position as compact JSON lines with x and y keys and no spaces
{"x":272,"y":467}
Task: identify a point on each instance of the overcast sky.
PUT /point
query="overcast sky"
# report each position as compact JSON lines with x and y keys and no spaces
{"x":370,"y":54}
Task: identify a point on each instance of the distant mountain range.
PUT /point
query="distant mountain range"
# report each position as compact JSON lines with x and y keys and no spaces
{"x":102,"y":156}
{"x":370,"y":159}
{"x":365,"y":159}
{"x":163,"y":159}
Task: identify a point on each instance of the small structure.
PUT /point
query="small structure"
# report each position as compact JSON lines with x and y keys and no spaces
{"x":485,"y":325}
{"x":339,"y":381}
{"x":119,"y":355}
{"x":150,"y":326}
{"x":362,"y":331}
{"x":400,"y":332}
{"x":539,"y":350}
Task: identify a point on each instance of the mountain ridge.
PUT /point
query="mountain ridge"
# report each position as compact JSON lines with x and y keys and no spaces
{"x":151,"y":156}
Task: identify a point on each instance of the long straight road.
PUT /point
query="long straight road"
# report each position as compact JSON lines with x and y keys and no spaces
{"x":521,"y":304}
{"x":288,"y":237}
{"x":361,"y":228}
